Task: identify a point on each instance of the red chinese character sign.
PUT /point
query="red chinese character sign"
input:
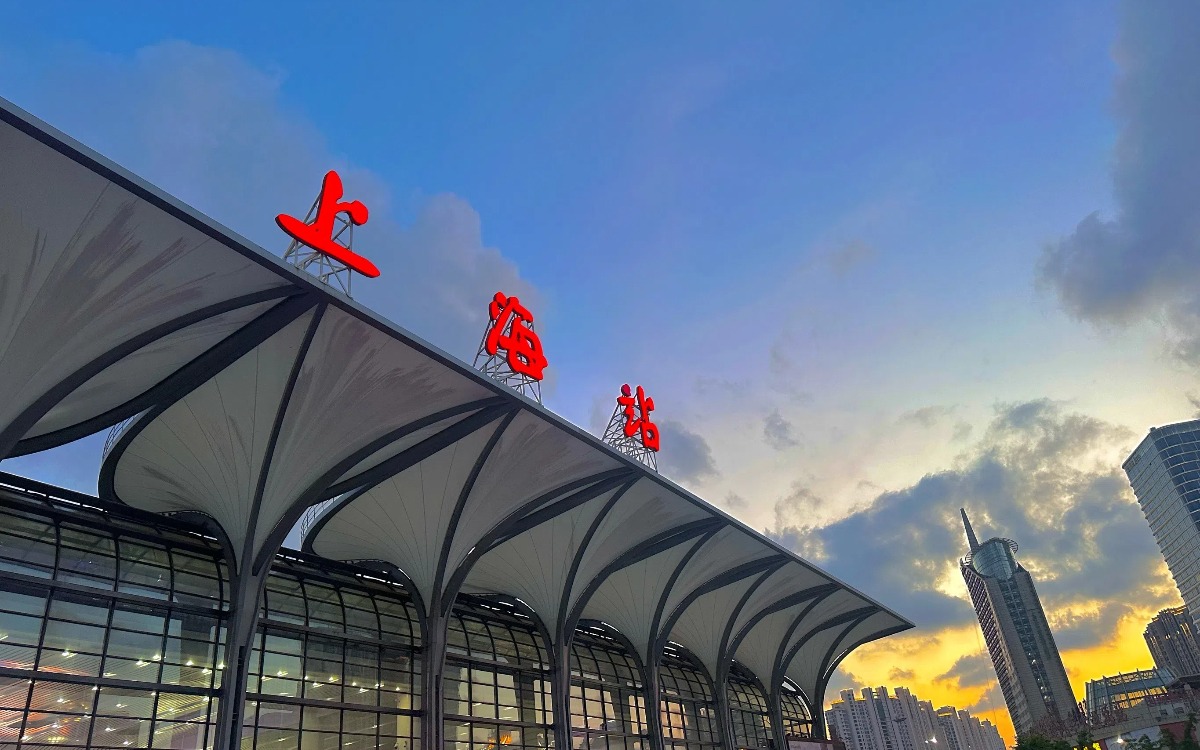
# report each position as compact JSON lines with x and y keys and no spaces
{"x":322,"y":242}
{"x":511,"y":351}
{"x":630,"y":429}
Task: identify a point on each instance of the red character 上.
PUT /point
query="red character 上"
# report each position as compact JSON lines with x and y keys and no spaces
{"x":641,"y":421}
{"x":319,"y":234}
{"x":523,"y":347}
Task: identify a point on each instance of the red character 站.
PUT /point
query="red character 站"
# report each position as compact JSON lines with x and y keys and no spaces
{"x":641,"y":421}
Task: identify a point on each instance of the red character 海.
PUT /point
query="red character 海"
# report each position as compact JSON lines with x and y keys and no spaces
{"x":523,"y":347}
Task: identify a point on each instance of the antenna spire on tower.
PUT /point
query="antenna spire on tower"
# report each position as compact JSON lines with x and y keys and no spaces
{"x":971,"y":540}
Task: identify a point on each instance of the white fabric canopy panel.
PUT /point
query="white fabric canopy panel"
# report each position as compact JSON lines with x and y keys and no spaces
{"x":379,"y":461}
{"x":639,"y":599}
{"x":814,"y":661}
{"x":405,"y":519}
{"x":703,"y":625}
{"x":628,"y":598}
{"x":271,"y":433}
{"x":92,"y":272}
{"x":145,"y":368}
{"x":792,"y":579}
{"x":647,"y":511}
{"x":536,"y":565}
{"x":576,"y":550}
{"x":731,"y":551}
{"x":433,"y":520}
{"x":765,"y":643}
{"x":533,"y":462}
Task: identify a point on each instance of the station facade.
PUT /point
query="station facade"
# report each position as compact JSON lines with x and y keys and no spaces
{"x":477,"y":572}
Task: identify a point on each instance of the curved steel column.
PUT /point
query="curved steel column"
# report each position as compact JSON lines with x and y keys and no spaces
{"x":560,"y":690}
{"x":433,"y":658}
{"x":239,"y":638}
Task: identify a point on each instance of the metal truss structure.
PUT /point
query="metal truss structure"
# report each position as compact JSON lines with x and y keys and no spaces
{"x":615,"y":436}
{"x":327,"y":270}
{"x":496,"y":366}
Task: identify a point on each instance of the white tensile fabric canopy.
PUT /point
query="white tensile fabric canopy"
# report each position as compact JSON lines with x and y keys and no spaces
{"x":253,"y":392}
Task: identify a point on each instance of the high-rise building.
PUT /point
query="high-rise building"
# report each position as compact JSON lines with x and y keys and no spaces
{"x":1028,"y":667}
{"x":1171,"y":637}
{"x":885,"y":722}
{"x":858,"y":724}
{"x":901,"y":721}
{"x":965,"y":732}
{"x":1165,"y":473}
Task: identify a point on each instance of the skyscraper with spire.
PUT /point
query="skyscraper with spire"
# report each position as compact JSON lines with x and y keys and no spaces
{"x":1018,"y":638}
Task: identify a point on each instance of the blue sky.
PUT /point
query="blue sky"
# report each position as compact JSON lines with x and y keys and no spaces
{"x":840,"y":244}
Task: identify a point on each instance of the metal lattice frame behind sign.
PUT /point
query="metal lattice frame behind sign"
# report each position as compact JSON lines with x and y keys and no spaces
{"x":615,"y":436}
{"x":496,"y":366}
{"x":327,"y":270}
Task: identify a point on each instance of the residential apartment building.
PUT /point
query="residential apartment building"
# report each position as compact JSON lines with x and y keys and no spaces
{"x":1171,"y":638}
{"x":879,"y":721}
{"x":965,"y":732}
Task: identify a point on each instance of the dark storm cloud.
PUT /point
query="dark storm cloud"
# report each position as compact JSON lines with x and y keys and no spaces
{"x":685,"y":455}
{"x":1085,"y":627}
{"x":1146,"y":258}
{"x":777,"y":431}
{"x":969,"y":671}
{"x":1032,"y":478}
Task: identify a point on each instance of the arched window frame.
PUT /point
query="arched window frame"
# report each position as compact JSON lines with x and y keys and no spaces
{"x":687,"y":703}
{"x":336,"y":658}
{"x":797,"y":721}
{"x":497,"y":678}
{"x":749,"y":712}
{"x":607,"y":698}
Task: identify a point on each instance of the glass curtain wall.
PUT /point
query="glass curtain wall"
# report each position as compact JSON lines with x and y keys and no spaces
{"x":334,"y":662}
{"x":608,"y":704}
{"x":686,"y":702}
{"x":797,"y":721}
{"x":748,"y":710}
{"x":497,"y":679}
{"x":111,"y":629}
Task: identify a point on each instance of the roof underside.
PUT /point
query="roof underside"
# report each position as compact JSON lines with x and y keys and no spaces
{"x":255,"y":393}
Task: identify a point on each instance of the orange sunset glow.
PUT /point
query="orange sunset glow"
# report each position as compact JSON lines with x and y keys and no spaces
{"x":929,"y":655}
